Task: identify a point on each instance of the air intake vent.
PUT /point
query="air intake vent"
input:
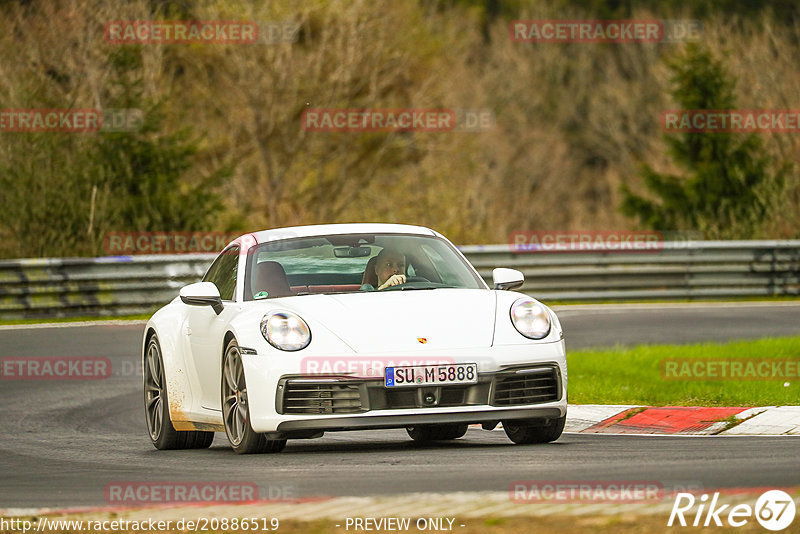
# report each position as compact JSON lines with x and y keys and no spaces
{"x":526,"y":386}
{"x":321,"y":398}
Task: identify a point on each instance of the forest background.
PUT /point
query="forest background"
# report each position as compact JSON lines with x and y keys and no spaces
{"x":576,"y":142}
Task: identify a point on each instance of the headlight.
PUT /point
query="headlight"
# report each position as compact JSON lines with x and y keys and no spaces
{"x":530,"y":318}
{"x":285,"y":330}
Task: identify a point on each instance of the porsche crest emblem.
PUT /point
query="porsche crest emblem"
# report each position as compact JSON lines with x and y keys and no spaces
{"x":422,"y":340}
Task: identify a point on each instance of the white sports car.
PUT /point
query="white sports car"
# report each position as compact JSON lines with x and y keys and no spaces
{"x":297,"y":331}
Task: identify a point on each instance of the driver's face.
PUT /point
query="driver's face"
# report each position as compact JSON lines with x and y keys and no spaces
{"x":389,"y":265}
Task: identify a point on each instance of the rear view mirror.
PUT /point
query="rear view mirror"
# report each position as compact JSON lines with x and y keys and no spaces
{"x":352,"y":252}
{"x":202,"y":294}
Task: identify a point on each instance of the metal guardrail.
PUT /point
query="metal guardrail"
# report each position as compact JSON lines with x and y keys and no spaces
{"x":108,"y":286}
{"x":687,"y":270}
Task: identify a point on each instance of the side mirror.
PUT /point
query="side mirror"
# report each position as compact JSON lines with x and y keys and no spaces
{"x":202,"y":294}
{"x":503,"y":278}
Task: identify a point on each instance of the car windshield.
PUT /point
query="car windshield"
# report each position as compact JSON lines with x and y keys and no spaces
{"x":349,"y":263}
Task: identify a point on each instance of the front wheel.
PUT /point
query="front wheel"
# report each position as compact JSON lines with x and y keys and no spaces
{"x":523,"y":434}
{"x":436,"y":432}
{"x":236,"y":410}
{"x":156,"y":407}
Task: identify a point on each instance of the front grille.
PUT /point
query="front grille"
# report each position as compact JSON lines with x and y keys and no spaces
{"x":298,"y":395}
{"x":509,"y":387}
{"x":321,"y":398}
{"x":526,"y":386}
{"x":446,"y":396}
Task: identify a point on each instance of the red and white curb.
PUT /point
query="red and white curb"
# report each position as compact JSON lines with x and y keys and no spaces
{"x":684,"y":420}
{"x":681,"y":420}
{"x":581,"y":417}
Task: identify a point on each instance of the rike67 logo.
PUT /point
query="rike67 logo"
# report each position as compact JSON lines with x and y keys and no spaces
{"x":774,"y":510}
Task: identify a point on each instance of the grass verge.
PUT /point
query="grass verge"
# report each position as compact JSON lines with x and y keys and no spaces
{"x":637,"y":375}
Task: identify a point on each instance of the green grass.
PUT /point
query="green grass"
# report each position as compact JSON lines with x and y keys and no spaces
{"x":634,"y":375}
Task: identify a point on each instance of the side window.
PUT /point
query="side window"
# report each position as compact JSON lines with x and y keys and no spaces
{"x":223,"y":273}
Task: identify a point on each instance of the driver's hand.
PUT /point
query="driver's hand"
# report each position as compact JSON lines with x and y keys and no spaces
{"x":394,"y":280}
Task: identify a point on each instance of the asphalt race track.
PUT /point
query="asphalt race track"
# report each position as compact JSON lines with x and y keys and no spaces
{"x":634,"y":324}
{"x":61,"y":442}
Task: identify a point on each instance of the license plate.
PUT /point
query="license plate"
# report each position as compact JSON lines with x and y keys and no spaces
{"x":431,"y":375}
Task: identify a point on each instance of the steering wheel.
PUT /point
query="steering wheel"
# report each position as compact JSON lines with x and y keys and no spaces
{"x":409,"y":280}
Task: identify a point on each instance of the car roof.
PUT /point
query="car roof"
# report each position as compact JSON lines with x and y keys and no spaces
{"x":333,"y":229}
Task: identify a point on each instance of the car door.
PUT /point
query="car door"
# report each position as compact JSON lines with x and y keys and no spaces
{"x":206,"y":330}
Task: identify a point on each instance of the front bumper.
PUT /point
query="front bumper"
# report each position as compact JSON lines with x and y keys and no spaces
{"x":337,"y":402}
{"x":514,"y":386}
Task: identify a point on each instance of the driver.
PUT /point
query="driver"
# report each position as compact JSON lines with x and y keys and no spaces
{"x":390,"y":268}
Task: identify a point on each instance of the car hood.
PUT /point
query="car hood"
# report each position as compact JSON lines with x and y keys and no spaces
{"x":396,"y":321}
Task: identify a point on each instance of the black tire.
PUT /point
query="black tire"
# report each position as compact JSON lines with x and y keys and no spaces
{"x":156,"y":407}
{"x":436,"y":432}
{"x":522,"y":434}
{"x":236,"y":410}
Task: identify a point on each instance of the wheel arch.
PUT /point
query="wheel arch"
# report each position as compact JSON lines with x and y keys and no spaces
{"x":166,"y":327}
{"x":149,"y":332}
{"x":229,"y":335}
